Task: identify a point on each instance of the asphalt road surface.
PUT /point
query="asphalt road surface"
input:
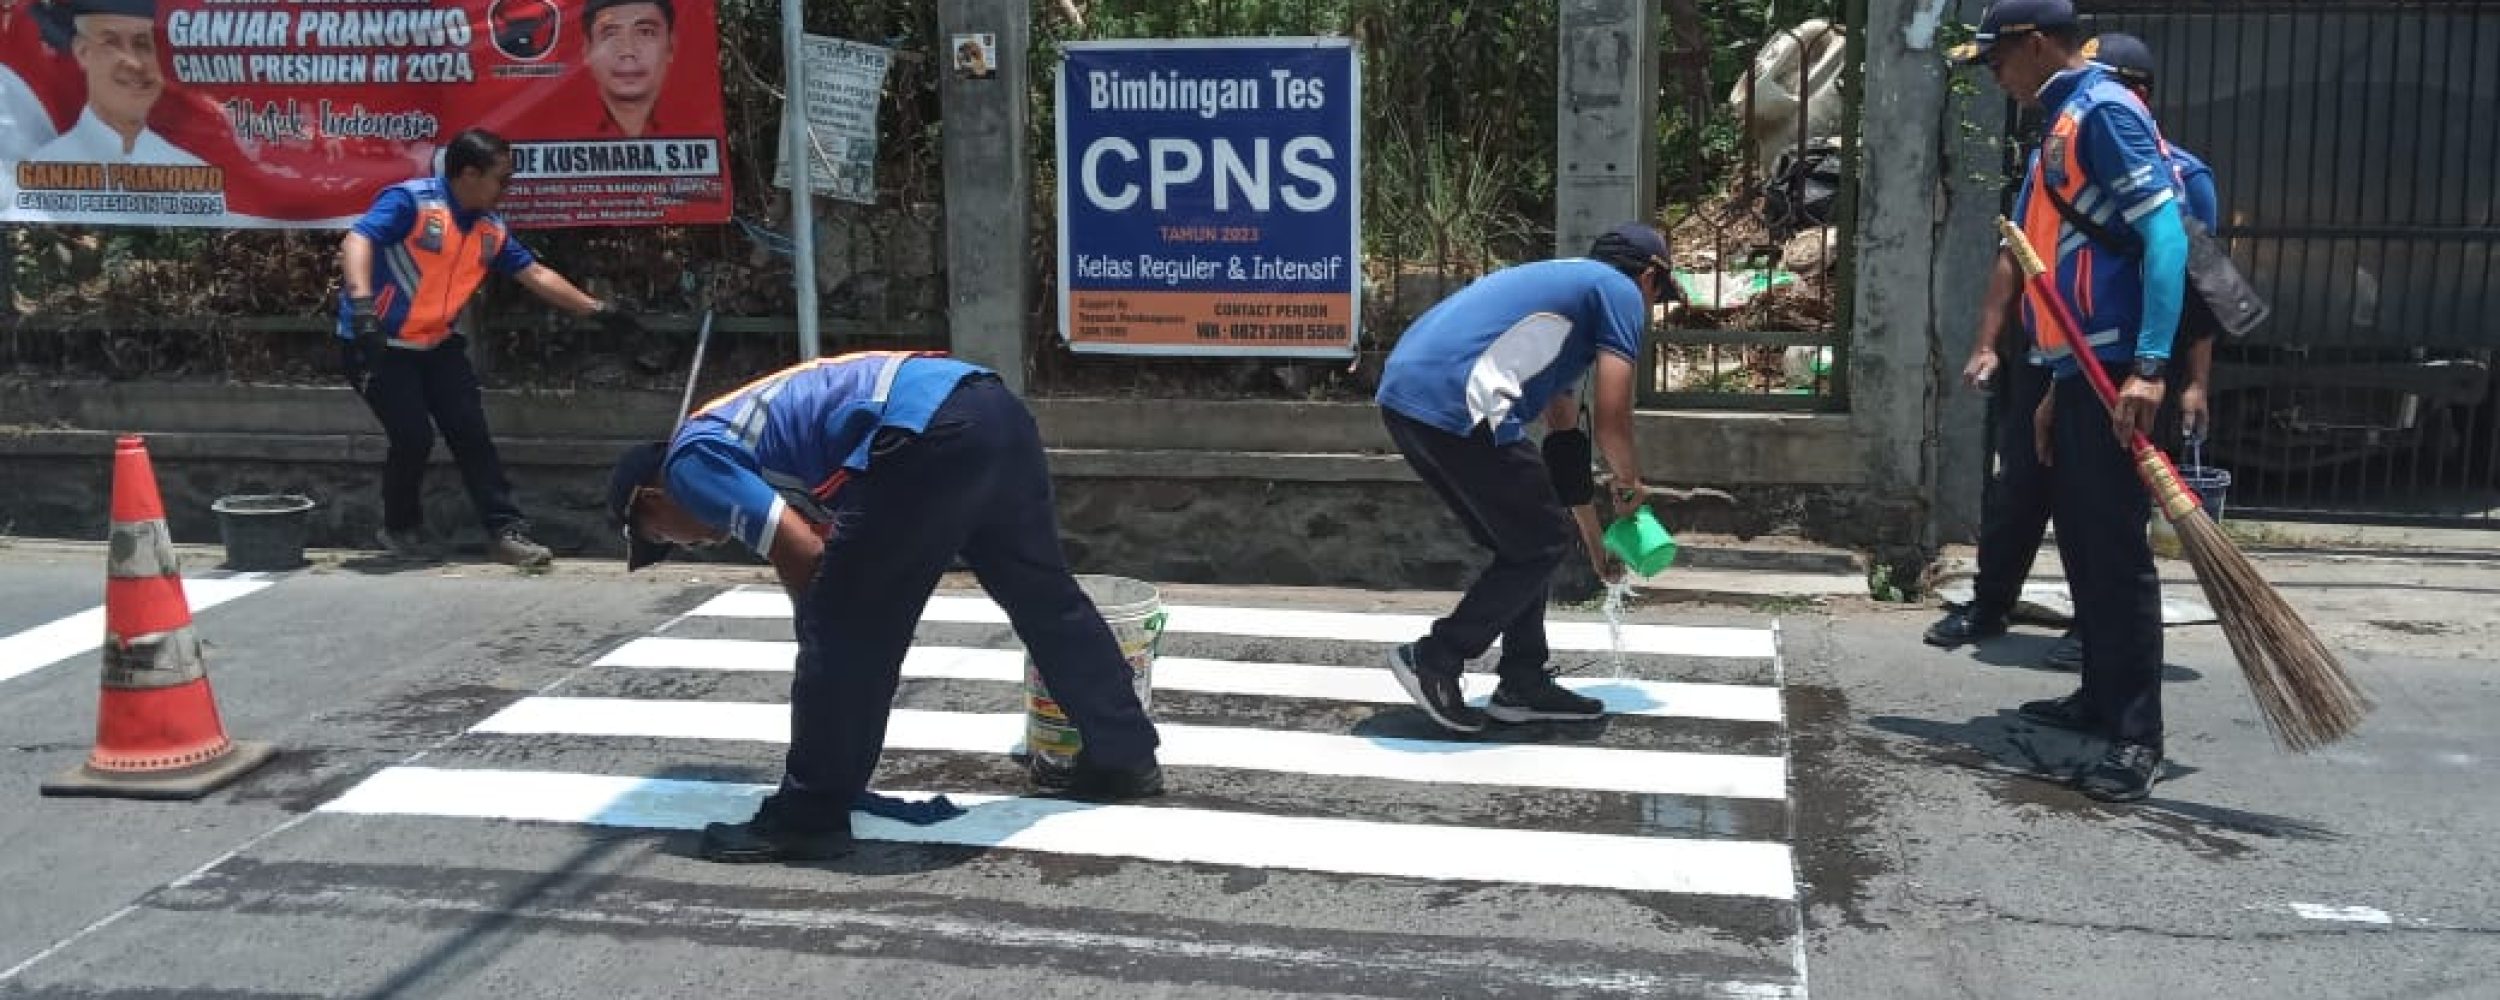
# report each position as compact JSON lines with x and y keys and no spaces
{"x":488,"y":786}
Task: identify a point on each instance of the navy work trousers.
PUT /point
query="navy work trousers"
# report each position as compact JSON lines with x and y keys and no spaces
{"x":975,"y":483}
{"x":2102,"y":510}
{"x":1505,"y":499}
{"x":414,"y":393}
{"x":2014,"y":508}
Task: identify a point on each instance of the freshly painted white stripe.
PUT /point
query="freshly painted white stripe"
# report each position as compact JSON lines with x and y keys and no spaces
{"x":2344,"y":914}
{"x":1643,"y":864}
{"x":62,"y":638}
{"x":1283,"y":623}
{"x":1661,"y":699}
{"x":1597,"y":769}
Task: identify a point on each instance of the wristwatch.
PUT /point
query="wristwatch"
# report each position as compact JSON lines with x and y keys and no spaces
{"x":2150,"y":369}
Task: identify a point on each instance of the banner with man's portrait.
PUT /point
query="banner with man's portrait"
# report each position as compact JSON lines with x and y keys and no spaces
{"x":294,"y":113}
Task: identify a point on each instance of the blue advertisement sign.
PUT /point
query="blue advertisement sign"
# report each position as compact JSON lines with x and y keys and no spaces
{"x":1210,"y":197}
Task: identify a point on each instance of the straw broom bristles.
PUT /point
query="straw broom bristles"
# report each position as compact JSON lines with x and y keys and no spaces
{"x":2299,"y":684}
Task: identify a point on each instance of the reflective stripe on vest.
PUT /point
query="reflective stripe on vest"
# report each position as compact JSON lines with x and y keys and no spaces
{"x":755,"y":399}
{"x":2061,"y":161}
{"x":436,"y":269}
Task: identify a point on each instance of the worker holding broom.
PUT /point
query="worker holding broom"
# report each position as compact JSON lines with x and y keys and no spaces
{"x":2016,"y":508}
{"x":2101,"y":161}
{"x":861,"y":478}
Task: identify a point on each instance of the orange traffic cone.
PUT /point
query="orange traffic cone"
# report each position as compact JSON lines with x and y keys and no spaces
{"x":157,"y":731}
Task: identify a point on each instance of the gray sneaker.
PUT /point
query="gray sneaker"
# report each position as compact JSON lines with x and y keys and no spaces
{"x":410,"y":544}
{"x":511,"y":547}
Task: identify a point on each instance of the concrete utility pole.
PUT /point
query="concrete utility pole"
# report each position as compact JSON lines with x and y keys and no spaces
{"x":989,"y":190}
{"x":1607,"y":157}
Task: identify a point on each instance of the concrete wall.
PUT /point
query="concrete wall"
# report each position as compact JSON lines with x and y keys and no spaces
{"x":1172,"y":490}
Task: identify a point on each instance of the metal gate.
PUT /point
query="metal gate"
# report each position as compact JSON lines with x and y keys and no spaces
{"x":2359,"y":169}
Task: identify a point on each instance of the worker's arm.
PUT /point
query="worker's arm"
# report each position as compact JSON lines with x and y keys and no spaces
{"x":387,"y":223}
{"x":795,"y":550}
{"x":719,"y":484}
{"x":356,"y":265}
{"x":1987,"y":354}
{"x":2195,"y":418}
{"x":1621,"y":316}
{"x":1614,"y":423}
{"x":555,"y":289}
{"x":2124,"y":156}
{"x":1567,"y":455}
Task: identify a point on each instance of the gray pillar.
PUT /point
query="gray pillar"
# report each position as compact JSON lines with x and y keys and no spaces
{"x":1972,"y":165}
{"x":1606,"y":168}
{"x":1914,"y":282}
{"x":989,"y":192}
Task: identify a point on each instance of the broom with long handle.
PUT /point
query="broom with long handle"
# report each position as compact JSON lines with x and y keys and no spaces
{"x":2300,"y":687}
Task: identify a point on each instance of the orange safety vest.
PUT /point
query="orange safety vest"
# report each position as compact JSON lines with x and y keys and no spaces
{"x":2061,"y":159}
{"x":426,"y":279}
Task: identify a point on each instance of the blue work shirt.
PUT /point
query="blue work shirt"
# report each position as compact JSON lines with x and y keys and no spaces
{"x":2196,"y":183}
{"x":1497,"y":352}
{"x":793,"y":438}
{"x":2105,"y":156}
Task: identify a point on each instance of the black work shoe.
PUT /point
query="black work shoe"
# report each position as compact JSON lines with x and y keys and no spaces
{"x":1092,"y":783}
{"x":766,"y":839}
{"x":2125,"y":774}
{"x":2067,"y":654}
{"x":1435,"y":692}
{"x":1542,"y":700}
{"x":409,"y":544}
{"x":1964,"y":626}
{"x":2068,"y":712}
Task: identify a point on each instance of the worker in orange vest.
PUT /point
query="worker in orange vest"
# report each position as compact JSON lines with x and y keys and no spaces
{"x":411,"y":264}
{"x":2102,"y":166}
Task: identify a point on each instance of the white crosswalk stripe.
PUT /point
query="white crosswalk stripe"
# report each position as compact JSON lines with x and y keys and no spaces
{"x":1271,"y":816}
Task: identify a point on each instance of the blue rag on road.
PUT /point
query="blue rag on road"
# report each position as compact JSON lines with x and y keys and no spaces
{"x":923,"y":813}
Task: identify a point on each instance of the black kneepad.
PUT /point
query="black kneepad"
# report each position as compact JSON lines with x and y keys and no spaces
{"x":1568,"y":458}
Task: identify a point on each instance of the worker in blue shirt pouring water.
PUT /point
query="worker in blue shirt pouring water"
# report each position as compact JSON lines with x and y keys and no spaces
{"x":1459,"y":392}
{"x":861,"y":478}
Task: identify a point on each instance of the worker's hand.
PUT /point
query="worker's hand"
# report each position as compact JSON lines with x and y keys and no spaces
{"x":2193,"y":417}
{"x":1981,"y":369}
{"x":614,"y":320}
{"x":2139,"y":404}
{"x":1626,"y":494}
{"x":2042,"y":421}
{"x":1593,"y":538}
{"x":366,"y":324}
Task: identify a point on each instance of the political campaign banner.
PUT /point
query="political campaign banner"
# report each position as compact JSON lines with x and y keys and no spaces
{"x":1209,"y":197}
{"x":295,"y":113}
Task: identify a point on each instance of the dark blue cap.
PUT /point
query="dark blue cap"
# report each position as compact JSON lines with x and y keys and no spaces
{"x":1632,"y":248}
{"x":2124,"y":54}
{"x":2011,"y":19}
{"x":638,"y":467}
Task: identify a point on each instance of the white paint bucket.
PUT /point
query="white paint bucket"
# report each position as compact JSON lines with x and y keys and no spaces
{"x":1134,"y":610}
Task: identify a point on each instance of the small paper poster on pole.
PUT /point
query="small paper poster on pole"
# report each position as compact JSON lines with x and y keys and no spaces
{"x":843,"y":82}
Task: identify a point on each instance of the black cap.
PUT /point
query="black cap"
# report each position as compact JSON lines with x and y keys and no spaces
{"x":125,"y":8}
{"x":2013,"y":18}
{"x":2125,"y":55}
{"x":1632,"y":248}
{"x":638,"y":467}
